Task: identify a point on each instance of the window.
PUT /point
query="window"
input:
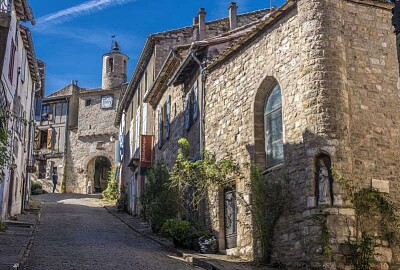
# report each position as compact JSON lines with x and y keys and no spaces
{"x":11,"y":63}
{"x":43,"y":139}
{"x":38,"y":108}
{"x":273,"y":127}
{"x":46,"y":109}
{"x":88,"y":102}
{"x":111,"y":64}
{"x":47,"y":112}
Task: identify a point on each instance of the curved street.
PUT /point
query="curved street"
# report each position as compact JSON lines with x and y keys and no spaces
{"x":76,"y":232}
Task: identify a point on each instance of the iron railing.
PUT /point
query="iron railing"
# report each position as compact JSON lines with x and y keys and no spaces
{"x":5,"y":6}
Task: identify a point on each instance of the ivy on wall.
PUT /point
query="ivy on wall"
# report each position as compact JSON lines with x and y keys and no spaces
{"x":271,"y":197}
{"x":376,"y":217}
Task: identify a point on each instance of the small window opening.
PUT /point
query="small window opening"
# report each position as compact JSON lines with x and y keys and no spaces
{"x":111,"y":64}
{"x":88,"y":102}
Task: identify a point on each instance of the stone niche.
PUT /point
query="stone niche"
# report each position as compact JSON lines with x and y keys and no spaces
{"x":323,"y":180}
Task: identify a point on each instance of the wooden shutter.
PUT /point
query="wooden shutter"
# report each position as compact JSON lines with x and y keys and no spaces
{"x":195,"y":101}
{"x":11,"y":63}
{"x":37,"y":139}
{"x":160,"y":129}
{"x":187,"y":112}
{"x":168,"y":119}
{"x":50,"y":138}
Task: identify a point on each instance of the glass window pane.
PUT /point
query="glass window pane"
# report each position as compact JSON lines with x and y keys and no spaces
{"x":273,"y":127}
{"x":274,"y":100}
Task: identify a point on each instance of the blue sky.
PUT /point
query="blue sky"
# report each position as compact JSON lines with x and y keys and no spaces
{"x":72,"y":35}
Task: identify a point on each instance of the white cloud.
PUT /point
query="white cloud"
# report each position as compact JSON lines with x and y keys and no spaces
{"x":79,"y":10}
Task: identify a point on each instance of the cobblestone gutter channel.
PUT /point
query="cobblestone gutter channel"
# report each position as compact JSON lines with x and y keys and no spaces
{"x":209,"y":262}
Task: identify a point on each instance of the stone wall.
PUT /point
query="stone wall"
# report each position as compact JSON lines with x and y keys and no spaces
{"x":335,"y":62}
{"x":169,"y":149}
{"x":90,"y":139}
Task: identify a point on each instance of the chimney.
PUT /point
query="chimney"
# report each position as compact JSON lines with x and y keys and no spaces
{"x":232,"y":15}
{"x":202,"y":24}
{"x":195,"y":28}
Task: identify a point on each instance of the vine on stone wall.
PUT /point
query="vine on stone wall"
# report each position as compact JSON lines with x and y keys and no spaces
{"x":375,"y":212}
{"x":199,"y":176}
{"x":322,"y":220}
{"x":271,"y":197}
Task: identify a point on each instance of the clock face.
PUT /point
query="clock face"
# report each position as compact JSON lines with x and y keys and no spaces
{"x":107,"y":101}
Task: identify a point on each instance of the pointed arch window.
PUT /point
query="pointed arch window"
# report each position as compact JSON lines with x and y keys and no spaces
{"x":273,"y":126}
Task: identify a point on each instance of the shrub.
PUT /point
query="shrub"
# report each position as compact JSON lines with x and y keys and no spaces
{"x":158,"y":202}
{"x":111,"y":193}
{"x":36,"y":188}
{"x":180,"y":231}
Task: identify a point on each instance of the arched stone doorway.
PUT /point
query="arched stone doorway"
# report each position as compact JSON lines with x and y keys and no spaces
{"x":97,"y":174}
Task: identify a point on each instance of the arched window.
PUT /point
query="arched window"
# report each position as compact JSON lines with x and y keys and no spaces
{"x":111,"y":64}
{"x":273,"y":126}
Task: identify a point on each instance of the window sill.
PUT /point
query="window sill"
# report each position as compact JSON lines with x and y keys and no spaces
{"x":274,"y":167}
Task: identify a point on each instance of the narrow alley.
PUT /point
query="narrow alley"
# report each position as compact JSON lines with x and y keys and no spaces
{"x":76,"y":232}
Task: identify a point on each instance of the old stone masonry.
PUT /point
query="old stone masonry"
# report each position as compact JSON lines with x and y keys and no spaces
{"x":303,"y":99}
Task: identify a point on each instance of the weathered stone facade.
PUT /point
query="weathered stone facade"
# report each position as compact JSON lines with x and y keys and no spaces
{"x":336,"y":67}
{"x":83,"y":131}
{"x":335,"y":62}
{"x":90,"y":139}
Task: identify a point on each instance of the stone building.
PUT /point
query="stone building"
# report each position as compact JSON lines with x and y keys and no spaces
{"x":20,"y":83}
{"x":135,"y":118}
{"x":311,"y":86}
{"x":77,"y":137}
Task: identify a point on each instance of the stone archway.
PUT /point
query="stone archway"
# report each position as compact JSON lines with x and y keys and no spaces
{"x":97,"y":173}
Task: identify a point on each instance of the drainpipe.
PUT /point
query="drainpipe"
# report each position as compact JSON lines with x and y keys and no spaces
{"x":202,"y":90}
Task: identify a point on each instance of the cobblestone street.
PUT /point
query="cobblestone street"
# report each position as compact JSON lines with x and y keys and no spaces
{"x":76,"y":232}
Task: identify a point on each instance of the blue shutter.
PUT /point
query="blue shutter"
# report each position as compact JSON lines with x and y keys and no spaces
{"x":187,"y":112}
{"x":168,"y":120}
{"x":195,"y":101}
{"x":38,"y":108}
{"x":160,"y":129}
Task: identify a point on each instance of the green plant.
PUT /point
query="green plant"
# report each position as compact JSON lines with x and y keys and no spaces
{"x":36,"y":188}
{"x":362,"y":252}
{"x":374,"y":212}
{"x":111,"y":192}
{"x":3,"y":227}
{"x":158,"y":202}
{"x":322,"y":219}
{"x":271,"y":197}
{"x":180,"y":231}
{"x":199,"y":176}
